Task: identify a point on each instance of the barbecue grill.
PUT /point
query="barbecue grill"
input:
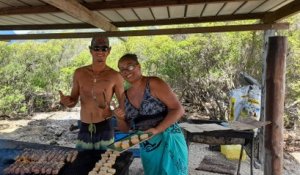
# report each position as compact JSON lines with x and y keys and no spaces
{"x":84,"y":162}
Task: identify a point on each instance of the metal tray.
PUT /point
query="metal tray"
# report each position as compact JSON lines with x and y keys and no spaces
{"x":131,"y":145}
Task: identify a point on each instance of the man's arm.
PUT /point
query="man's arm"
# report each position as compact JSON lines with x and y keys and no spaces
{"x":71,"y":100}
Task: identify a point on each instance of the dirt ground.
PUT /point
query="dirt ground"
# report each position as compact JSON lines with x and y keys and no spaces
{"x":53,"y":128}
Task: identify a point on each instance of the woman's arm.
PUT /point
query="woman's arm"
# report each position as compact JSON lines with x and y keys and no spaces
{"x":120,"y":110}
{"x":120,"y":115}
{"x":119,"y":90}
{"x":164,"y":93}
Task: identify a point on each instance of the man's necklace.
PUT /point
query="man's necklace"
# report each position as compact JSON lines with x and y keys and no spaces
{"x":102,"y":106}
{"x":95,"y":78}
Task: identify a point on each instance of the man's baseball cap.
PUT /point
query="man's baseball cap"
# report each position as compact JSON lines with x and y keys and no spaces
{"x":100,"y":41}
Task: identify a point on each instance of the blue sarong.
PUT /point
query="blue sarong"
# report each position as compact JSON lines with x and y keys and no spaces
{"x":165,"y":153}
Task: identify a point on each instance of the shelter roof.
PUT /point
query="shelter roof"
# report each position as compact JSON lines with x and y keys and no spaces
{"x":117,"y":17}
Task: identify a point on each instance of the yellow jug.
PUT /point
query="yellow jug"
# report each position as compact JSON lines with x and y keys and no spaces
{"x":232,"y":152}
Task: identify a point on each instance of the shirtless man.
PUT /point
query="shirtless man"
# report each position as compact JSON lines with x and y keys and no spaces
{"x":95,"y":85}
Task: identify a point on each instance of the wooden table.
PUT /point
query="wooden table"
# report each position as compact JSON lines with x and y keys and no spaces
{"x":222,"y":137}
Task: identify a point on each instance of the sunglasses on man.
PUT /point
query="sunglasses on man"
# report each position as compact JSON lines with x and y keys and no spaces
{"x":99,"y":48}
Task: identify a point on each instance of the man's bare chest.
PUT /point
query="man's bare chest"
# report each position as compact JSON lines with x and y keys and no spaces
{"x":96,"y":83}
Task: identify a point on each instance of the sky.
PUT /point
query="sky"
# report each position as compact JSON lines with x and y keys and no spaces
{"x":5,"y":32}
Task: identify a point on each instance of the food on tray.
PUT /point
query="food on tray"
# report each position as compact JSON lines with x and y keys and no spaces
{"x":134,"y":139}
{"x":111,"y":161}
{"x":128,"y":141}
{"x":111,"y":170}
{"x":105,"y":164}
{"x":118,"y":144}
{"x":125,"y":144}
{"x":134,"y":136}
{"x":41,"y":161}
{"x":107,"y":153}
{"x":108,"y":164}
{"x":125,"y":141}
{"x":92,"y":173}
{"x":104,"y":168}
{"x":96,"y":169}
{"x":116,"y":153}
{"x":113,"y":155}
{"x":144,"y":136}
{"x":104,"y":156}
{"x":99,"y":164}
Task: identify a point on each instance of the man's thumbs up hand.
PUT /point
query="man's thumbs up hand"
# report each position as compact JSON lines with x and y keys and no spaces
{"x":60,"y":93}
{"x":67,"y":100}
{"x":64,"y":100}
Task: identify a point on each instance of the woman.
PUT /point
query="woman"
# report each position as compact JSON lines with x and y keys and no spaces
{"x":151,"y":106}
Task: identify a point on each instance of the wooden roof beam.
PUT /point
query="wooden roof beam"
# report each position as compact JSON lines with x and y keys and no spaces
{"x":75,"y":9}
{"x":283,"y":12}
{"x":106,"y":5}
{"x":28,"y":10}
{"x":47,"y":26}
{"x":214,"y":29}
{"x":135,"y":23}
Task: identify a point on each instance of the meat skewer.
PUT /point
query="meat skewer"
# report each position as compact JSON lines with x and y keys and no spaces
{"x":32,"y":161}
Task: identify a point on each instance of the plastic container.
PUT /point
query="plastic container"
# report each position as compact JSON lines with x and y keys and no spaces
{"x":136,"y":152}
{"x":232,"y":152}
{"x":119,"y":135}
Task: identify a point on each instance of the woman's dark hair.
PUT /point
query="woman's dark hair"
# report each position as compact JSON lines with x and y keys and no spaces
{"x":129,"y":56}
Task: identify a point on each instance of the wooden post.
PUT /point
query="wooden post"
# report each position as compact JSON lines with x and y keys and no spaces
{"x":261,"y":152}
{"x":274,"y":109}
